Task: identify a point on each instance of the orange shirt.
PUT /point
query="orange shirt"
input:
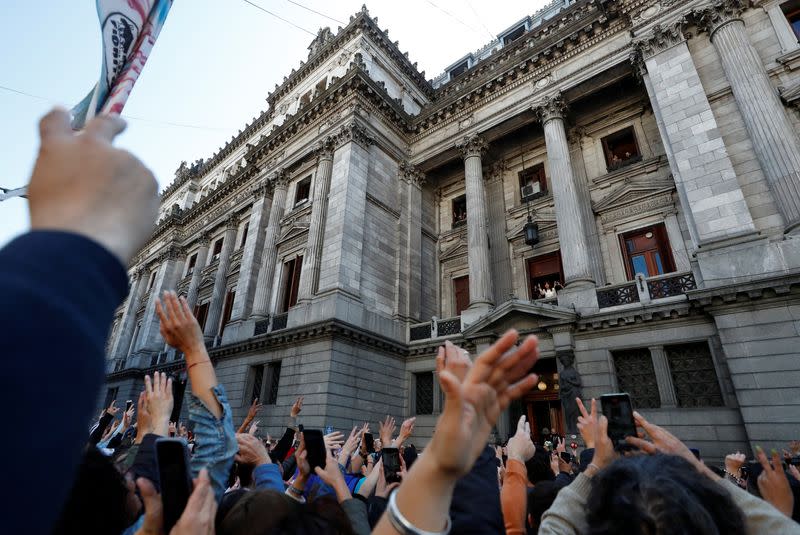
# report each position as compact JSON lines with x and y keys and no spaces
{"x":514,"y":497}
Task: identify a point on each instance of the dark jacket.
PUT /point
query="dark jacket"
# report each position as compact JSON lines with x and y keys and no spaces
{"x":476,"y":499}
{"x":58,"y":292}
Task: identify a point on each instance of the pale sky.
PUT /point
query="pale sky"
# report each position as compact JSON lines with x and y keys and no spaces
{"x":210,"y":71}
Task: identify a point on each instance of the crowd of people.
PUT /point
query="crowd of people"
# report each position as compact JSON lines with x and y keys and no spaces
{"x":92,"y":206}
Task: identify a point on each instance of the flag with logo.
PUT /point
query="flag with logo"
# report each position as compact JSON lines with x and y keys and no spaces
{"x":129,"y":30}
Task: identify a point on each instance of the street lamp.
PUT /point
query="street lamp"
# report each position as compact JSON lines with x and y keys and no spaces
{"x":531,"y":231}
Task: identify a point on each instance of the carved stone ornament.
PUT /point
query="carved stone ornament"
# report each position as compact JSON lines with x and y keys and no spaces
{"x":720,"y":13}
{"x":551,"y":108}
{"x":232,"y":222}
{"x":495,"y":170}
{"x":204,"y":239}
{"x":261,"y":188}
{"x":659,"y":39}
{"x":324,"y":149}
{"x":410,"y":174}
{"x":473,"y":145}
{"x":637,"y":61}
{"x":173,"y":252}
{"x":280,"y":179}
{"x":353,"y":132}
{"x":570,"y":388}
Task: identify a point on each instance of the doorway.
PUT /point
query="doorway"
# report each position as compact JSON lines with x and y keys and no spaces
{"x":543,"y":405}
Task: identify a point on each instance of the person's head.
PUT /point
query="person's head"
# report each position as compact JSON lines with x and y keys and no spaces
{"x":538,"y":467}
{"x":546,"y":285}
{"x":647,"y":494}
{"x":101,"y":500}
{"x":566,"y":358}
{"x":539,"y":500}
{"x":267,"y":512}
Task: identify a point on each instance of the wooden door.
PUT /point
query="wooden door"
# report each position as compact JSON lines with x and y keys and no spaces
{"x":461,"y":291}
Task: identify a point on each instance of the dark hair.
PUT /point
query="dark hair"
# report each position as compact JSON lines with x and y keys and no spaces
{"x":98,"y":501}
{"x":268,"y":512}
{"x":540,"y":498}
{"x":538,"y":467}
{"x":647,"y":495}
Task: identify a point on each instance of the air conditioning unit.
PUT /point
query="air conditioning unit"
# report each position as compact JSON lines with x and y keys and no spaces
{"x":529,"y":190}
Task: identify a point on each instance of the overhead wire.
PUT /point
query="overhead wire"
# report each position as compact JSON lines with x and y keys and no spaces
{"x":453,"y":17}
{"x":298,"y":4}
{"x":477,"y":16}
{"x":287,"y":21}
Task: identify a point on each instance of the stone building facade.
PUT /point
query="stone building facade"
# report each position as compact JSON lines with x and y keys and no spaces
{"x":640,"y":156}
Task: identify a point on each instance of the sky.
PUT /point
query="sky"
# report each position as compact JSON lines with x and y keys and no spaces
{"x":210,"y":72}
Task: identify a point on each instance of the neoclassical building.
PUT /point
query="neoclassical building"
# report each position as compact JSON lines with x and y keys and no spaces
{"x":620,"y":178}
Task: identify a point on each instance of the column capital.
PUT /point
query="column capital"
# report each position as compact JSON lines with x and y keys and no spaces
{"x":410,"y":174}
{"x":232,"y":222}
{"x":552,"y":107}
{"x":280,"y":179}
{"x":719,"y":13}
{"x":261,"y":188}
{"x":204,"y":239}
{"x":354,"y":132}
{"x":659,"y":39}
{"x":172,"y":252}
{"x":323,"y":150}
{"x":473,"y":145}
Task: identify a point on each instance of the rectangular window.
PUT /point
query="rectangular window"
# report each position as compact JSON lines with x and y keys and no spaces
{"x":461,"y":293}
{"x":111,"y":395}
{"x":532,"y":183}
{"x":792,"y":12}
{"x":514,"y":35}
{"x":459,"y":211}
{"x":291,"y":282}
{"x":321,"y":85}
{"x":647,"y":251}
{"x":694,"y":375}
{"x":621,"y":149}
{"x":215,"y":252}
{"x":191,"y":264}
{"x":545,"y":275}
{"x":244,"y":234}
{"x":135,"y":337}
{"x":227,"y":310}
{"x":264,"y":386}
{"x":303,"y":191}
{"x":152,"y":279}
{"x":423,"y":393}
{"x":305,"y":99}
{"x":636,"y":376}
{"x":201,"y":313}
{"x":459,"y":69}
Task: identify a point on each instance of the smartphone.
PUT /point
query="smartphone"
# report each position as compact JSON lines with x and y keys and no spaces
{"x":566,"y":457}
{"x":172,"y":460}
{"x":128,"y":405}
{"x":619,"y":411}
{"x":315,"y":446}
{"x":391,"y":464}
{"x":369,"y":440}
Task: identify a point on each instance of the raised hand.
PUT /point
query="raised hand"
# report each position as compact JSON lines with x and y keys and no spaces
{"x":82,"y":184}
{"x":795,"y":472}
{"x":406,"y":429}
{"x":179,"y":327}
{"x":127,"y":417}
{"x":350,"y":446}
{"x":387,"y":428}
{"x":197,"y":518}
{"x":251,"y":450}
{"x":555,"y":463}
{"x":561,"y":445}
{"x":733,"y":464}
{"x":253,"y":428}
{"x":297,"y":406}
{"x":144,"y":422}
{"x":112,"y":408}
{"x":587,"y":422}
{"x":453,"y":359}
{"x":773,"y":483}
{"x":255,"y":407}
{"x":333,"y":440}
{"x":520,"y":446}
{"x":332,"y":475}
{"x":158,"y":396}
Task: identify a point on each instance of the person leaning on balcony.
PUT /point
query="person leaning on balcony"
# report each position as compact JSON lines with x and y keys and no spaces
{"x":92,"y":206}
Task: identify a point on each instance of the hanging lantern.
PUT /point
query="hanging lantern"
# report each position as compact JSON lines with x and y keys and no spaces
{"x":531,"y":231}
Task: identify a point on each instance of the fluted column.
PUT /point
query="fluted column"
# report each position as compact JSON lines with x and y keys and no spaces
{"x":128,"y":322}
{"x":569,"y":214}
{"x":480,"y":268}
{"x":309,"y":275}
{"x":252,"y":255}
{"x":774,"y":139}
{"x":194,"y":284}
{"x":170,"y":263}
{"x":409,"y":259}
{"x":218,"y":294}
{"x":270,"y":253}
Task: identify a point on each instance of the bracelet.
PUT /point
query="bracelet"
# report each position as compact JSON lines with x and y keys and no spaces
{"x":295,"y":491}
{"x":290,"y":492}
{"x":405,"y":527}
{"x":733,"y":477}
{"x":190,"y":366}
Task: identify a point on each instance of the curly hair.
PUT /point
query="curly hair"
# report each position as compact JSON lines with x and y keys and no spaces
{"x":654,"y":495}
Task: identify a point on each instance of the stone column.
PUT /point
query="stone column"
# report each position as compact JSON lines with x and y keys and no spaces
{"x":774,"y":139}
{"x":496,"y":218}
{"x":409,"y":281}
{"x":569,"y":214}
{"x":713,"y":202}
{"x":270,"y":253}
{"x":119,"y":348}
{"x":218,"y":293}
{"x":202,"y":256}
{"x":666,"y":389}
{"x":309,"y":275}
{"x":167,"y":275}
{"x":252,"y":255}
{"x":481,"y":295}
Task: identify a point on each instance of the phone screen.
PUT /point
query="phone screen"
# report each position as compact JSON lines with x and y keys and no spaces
{"x":128,"y":405}
{"x":369,"y":441}
{"x":172,"y":459}
{"x":566,"y":457}
{"x":391,"y":464}
{"x":619,"y":411}
{"x":315,"y":446}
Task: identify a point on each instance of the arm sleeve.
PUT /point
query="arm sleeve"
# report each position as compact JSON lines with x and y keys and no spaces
{"x":567,"y":515}
{"x":97,"y":434}
{"x":283,"y":446}
{"x":513,"y":497}
{"x":58,"y":292}
{"x":760,"y":516}
{"x":268,"y":477}
{"x":356,"y":511}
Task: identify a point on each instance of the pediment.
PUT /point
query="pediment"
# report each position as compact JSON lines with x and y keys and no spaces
{"x":632,"y":192}
{"x":523,"y":316}
{"x":295,"y":231}
{"x":546,"y":220}
{"x":791,"y":94}
{"x":455,"y":250}
{"x":206,"y":282}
